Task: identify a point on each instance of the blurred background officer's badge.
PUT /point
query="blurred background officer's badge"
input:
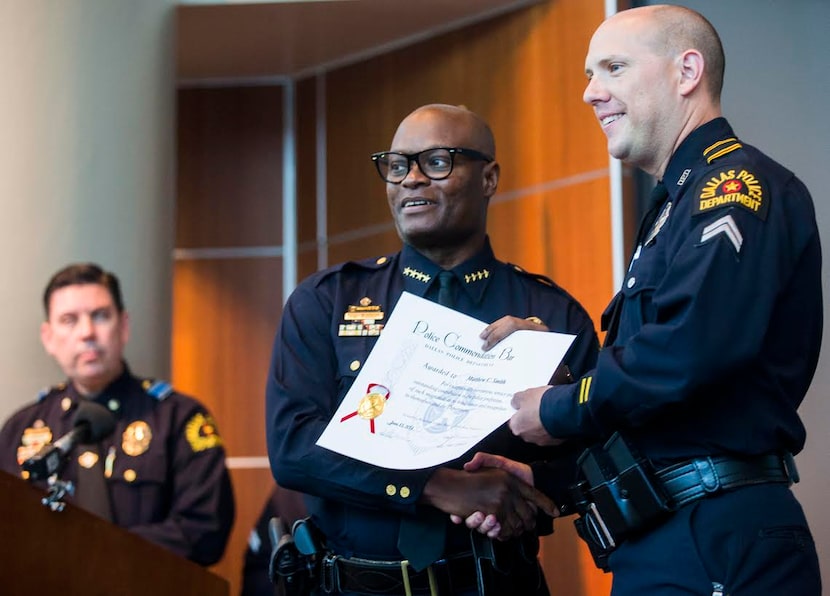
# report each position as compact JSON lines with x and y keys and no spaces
{"x":34,"y":437}
{"x":135,"y":439}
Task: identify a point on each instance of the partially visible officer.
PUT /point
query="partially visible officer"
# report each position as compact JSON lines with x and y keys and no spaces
{"x":440,"y":175}
{"x":164,"y":465}
{"x":711,"y":344}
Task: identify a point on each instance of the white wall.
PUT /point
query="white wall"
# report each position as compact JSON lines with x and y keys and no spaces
{"x":776,"y":97}
{"x":86,"y":169}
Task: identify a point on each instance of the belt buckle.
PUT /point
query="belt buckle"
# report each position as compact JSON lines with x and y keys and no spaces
{"x":407,"y":588}
{"x":707,"y":473}
{"x":328,"y":572}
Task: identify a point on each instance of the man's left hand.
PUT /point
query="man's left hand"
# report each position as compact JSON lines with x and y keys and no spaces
{"x":497,"y":331}
{"x":526,"y":422}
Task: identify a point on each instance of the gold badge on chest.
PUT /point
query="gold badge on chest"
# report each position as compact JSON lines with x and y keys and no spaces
{"x":34,"y":437}
{"x":135,"y":440}
{"x":88,"y":459}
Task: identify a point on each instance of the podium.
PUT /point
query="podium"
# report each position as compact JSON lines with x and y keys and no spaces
{"x":74,"y":552}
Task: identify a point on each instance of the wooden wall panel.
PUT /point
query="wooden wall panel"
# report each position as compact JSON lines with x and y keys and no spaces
{"x":229,"y":178}
{"x":562,"y":233}
{"x":306,"y":135}
{"x":368,"y":244}
{"x":225,"y":313}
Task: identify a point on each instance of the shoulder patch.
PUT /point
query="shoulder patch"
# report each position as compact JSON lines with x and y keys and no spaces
{"x":732,"y":186}
{"x":201,"y":433}
{"x":534,"y":276}
{"x":158,"y":389}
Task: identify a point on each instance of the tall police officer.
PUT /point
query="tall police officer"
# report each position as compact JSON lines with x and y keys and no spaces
{"x":440,"y":175}
{"x":161,"y":474}
{"x":712,"y":341}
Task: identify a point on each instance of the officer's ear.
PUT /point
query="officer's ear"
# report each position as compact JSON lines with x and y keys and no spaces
{"x":490,"y":178}
{"x":690,"y":67}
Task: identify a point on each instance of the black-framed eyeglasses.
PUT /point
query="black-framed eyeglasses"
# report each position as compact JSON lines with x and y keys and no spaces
{"x":435,"y":163}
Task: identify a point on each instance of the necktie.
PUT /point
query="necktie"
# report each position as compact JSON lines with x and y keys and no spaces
{"x":91,"y":492}
{"x":445,"y":288}
{"x":655,"y":203}
{"x":421,"y":538}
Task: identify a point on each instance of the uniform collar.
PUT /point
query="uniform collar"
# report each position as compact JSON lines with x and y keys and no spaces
{"x":691,"y":156}
{"x":110,"y":397}
{"x":473,"y":275}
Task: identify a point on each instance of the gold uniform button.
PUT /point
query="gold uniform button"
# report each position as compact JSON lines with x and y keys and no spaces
{"x":129,"y":475}
{"x":405,"y":491}
{"x":381,"y":260}
{"x":391,"y":490}
{"x":355,"y":364}
{"x":66,"y":403}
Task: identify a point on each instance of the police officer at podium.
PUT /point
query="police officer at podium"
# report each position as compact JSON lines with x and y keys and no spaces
{"x":161,"y":474}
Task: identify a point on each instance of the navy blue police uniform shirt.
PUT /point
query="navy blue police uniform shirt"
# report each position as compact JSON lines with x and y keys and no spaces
{"x":164,"y":463}
{"x":319,"y":350}
{"x":720,"y":314}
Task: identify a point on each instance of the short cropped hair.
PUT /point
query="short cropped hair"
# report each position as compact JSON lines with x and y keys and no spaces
{"x":80,"y":274}
{"x":683,"y":28}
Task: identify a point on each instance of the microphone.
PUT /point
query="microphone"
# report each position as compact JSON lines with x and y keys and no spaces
{"x":92,"y":423}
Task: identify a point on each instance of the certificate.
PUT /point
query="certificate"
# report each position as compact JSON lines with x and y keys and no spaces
{"x":427,"y":393}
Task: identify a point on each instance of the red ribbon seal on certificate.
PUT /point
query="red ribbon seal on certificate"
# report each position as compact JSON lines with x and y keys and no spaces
{"x":371,"y":405}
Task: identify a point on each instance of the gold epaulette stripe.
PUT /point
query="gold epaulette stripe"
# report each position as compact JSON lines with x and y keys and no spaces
{"x":723,"y":152}
{"x":714,"y":146}
{"x":584,"y":388}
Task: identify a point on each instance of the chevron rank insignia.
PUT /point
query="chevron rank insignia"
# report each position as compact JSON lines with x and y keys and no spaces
{"x":726,"y":227}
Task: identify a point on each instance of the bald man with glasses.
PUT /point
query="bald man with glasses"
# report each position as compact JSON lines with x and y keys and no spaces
{"x":440,"y":175}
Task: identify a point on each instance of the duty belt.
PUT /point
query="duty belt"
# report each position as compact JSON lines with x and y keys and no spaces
{"x":621,"y":496}
{"x":689,"y":481}
{"x":447,"y":576}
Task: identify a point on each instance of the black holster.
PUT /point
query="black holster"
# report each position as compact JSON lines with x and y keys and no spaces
{"x":617,"y":498}
{"x":294,"y":564}
{"x":510,"y":567}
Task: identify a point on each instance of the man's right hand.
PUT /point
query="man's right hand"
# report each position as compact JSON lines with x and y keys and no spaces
{"x":491,"y":491}
{"x":488,"y":523}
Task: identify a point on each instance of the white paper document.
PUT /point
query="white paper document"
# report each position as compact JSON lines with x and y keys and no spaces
{"x":427,"y":393}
